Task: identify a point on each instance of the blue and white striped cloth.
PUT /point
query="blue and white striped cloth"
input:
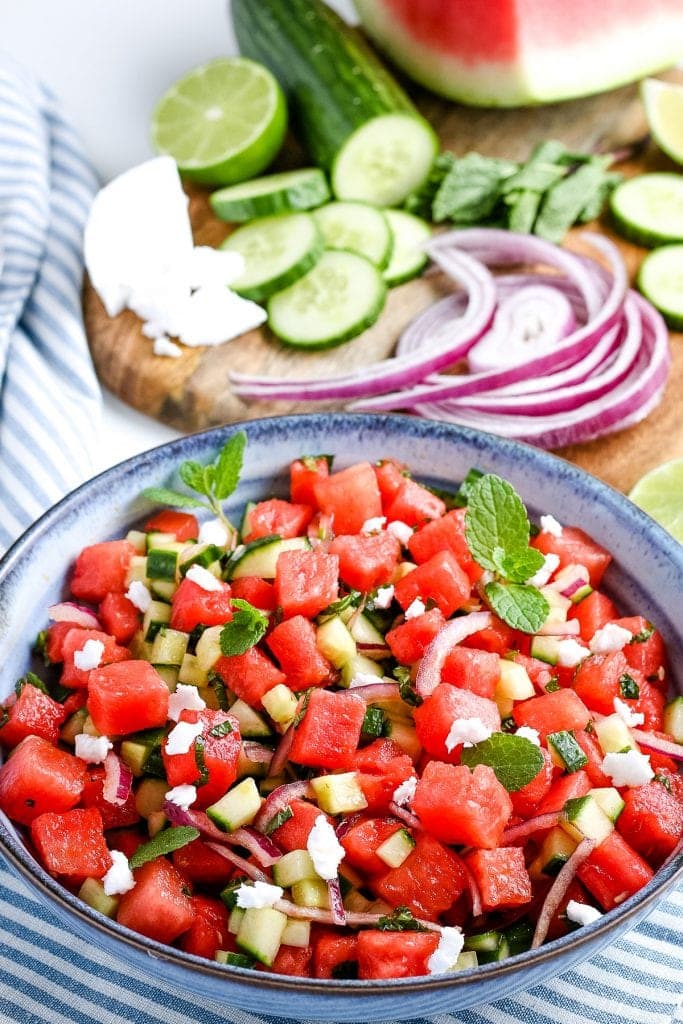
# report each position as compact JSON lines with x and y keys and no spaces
{"x":49,"y":406}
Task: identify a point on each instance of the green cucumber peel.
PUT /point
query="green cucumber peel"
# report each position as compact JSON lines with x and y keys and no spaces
{"x":514,"y":759}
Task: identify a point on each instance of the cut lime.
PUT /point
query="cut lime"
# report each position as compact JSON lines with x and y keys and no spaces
{"x":660,"y":279}
{"x":223,"y":122}
{"x":660,"y":494}
{"x":663,"y":102}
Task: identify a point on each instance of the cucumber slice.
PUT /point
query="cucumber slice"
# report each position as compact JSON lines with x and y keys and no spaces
{"x":648,"y":209}
{"x":673,"y":719}
{"x":565,"y":751}
{"x":408,"y":258}
{"x":260,"y":557}
{"x":385,"y":160}
{"x":397,"y":848}
{"x":277,"y":251}
{"x":357,"y":228}
{"x":339,"y":794}
{"x":660,"y":279}
{"x":260,"y":933}
{"x":273,"y":193}
{"x":238,"y":807}
{"x":342,"y":296}
{"x":584,"y":818}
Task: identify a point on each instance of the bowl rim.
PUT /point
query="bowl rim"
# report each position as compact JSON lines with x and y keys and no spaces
{"x":51,"y":890}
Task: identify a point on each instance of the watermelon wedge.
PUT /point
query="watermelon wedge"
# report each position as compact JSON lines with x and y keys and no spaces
{"x":508,"y":53}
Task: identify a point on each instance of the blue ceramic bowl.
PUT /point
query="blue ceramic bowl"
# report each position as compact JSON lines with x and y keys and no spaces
{"x":646,"y":577}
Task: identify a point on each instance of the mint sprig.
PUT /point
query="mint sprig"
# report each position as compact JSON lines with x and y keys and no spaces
{"x":514,"y":759}
{"x":245,"y":628}
{"x":497,"y":530}
{"x":164,"y":842}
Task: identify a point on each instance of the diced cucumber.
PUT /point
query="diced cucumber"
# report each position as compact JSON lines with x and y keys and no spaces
{"x":191,"y":672}
{"x":556,"y":849}
{"x":260,"y":933}
{"x":565,"y":751}
{"x":277,"y":251}
{"x":559,"y":606}
{"x":223,"y":956}
{"x":245,"y":525}
{"x":648,"y":209}
{"x":613,"y":734}
{"x":150,"y":796}
{"x":157,"y":615}
{"x":514,"y":682}
{"x":408,"y":257}
{"x":73,"y":726}
{"x":365,"y":633}
{"x":293,"y":867}
{"x":260,"y":557}
{"x":397,"y":848}
{"x":238,"y":807}
{"x":659,"y":279}
{"x":359,"y":664}
{"x":583,"y":818}
{"x":467,"y":959}
{"x":339,"y":794}
{"x":137,"y":570}
{"x":162,"y":564}
{"x":169,"y":674}
{"x":235,"y":920}
{"x":303,"y":189}
{"x":280,"y":703}
{"x":357,"y":228}
{"x":208,"y":649}
{"x":488,"y":946}
{"x":92,"y":892}
{"x":252,"y":724}
{"x":296,"y":933}
{"x":169,"y":646}
{"x":520,"y":936}
{"x":568,"y":578}
{"x":207,"y":556}
{"x":673,"y":719}
{"x":160,"y":540}
{"x":335,"y":642}
{"x":138,"y":539}
{"x":609,"y":799}
{"x":311,"y":892}
{"x":163,"y":589}
{"x":338,"y":299}
{"x":546,"y":648}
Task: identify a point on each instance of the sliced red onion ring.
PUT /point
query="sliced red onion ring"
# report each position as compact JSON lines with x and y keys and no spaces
{"x":259,"y":753}
{"x":245,"y":866}
{"x":429,"y":672}
{"x":336,"y":902}
{"x":118,"y":780}
{"x":649,"y":741}
{"x":281,"y":753}
{"x":261,"y":847}
{"x":558,"y":889}
{"x":405,"y":815}
{"x":535,"y":318}
{"x":571,"y":627}
{"x":67,"y":611}
{"x":475,"y":895}
{"x":377,"y":691}
{"x":279,"y":799}
{"x":529,"y":827}
{"x":351,"y":918}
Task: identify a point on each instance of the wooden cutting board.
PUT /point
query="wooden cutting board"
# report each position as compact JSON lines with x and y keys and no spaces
{"x":193,"y":392}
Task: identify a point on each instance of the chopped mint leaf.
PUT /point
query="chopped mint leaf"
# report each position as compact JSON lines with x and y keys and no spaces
{"x":203,"y":776}
{"x":240,"y":960}
{"x":304,"y":698}
{"x":283,"y":815}
{"x":219,"y":688}
{"x":664,"y":780}
{"x":311,"y":461}
{"x":628,"y":687}
{"x":164,"y":496}
{"x":406,"y":689}
{"x":164,"y":842}
{"x":470,"y":191}
{"x":229,"y":893}
{"x":350,"y":600}
{"x":514,"y":759}
{"x":565,"y":200}
{"x":495,"y":521}
{"x":374,"y":723}
{"x":222,"y":729}
{"x":244,"y":630}
{"x":40,"y":647}
{"x":645,"y":634}
{"x":30,"y":679}
{"x":229,"y":466}
{"x":400,"y":920}
{"x":552,"y":685}
{"x":4,"y":717}
{"x":522,"y":607}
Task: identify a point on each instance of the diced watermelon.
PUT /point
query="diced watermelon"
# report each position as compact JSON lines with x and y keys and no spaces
{"x":276,"y":517}
{"x":497,"y":638}
{"x":75,"y":640}
{"x":193,"y":606}
{"x":390,"y":475}
{"x":553,"y":712}
{"x":445,"y":534}
{"x":574,"y":547}
{"x":413,"y":504}
{"x":293,"y":642}
{"x":594,"y":753}
{"x":127,"y":697}
{"x":614,"y":871}
{"x":293,"y":834}
{"x":71,"y":845}
{"x":436,"y":714}
{"x":366,"y":561}
{"x":381,"y":766}
{"x":113,"y":815}
{"x":408,"y":641}
{"x":651,"y":704}
{"x":249,"y":675}
{"x":462,"y":806}
{"x":54,"y":640}
{"x":102,"y":568}
{"x":350,"y":496}
{"x":332,"y":950}
{"x":182,"y":525}
{"x":159,"y":906}
{"x":217,"y":755}
{"x":477,"y":671}
{"x":32,"y":713}
{"x":596,"y":681}
{"x":303,"y":474}
{"x":209,"y":929}
{"x":567,"y":787}
{"x":647,"y":655}
{"x":328,"y":735}
{"x":652,"y":821}
{"x":201,"y":865}
{"x":592,"y":613}
{"x":260,"y":593}
{"x":306,"y":582}
{"x":119,"y":617}
{"x":363,"y":839}
{"x":439,"y":580}
{"x":428,"y":882}
{"x":39,"y":777}
{"x":295,"y":961}
{"x":525,"y":801}
{"x":394,"y":955}
{"x":501,"y":876}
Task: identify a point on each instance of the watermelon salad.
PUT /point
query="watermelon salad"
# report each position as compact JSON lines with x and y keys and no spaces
{"x":380,"y":731}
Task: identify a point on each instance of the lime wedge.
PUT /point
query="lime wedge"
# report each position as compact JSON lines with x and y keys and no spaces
{"x":663,"y":103}
{"x":660,"y":494}
{"x":223,"y":122}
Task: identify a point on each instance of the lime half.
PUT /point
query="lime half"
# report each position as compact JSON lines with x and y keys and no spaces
{"x":663,"y":103}
{"x":660,"y":494}
{"x":223,"y":122}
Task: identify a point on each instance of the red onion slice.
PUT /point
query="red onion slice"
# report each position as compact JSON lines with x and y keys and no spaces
{"x":118,"y":780}
{"x":351,"y":918}
{"x":279,"y":799}
{"x":429,"y":672}
{"x":649,"y":741}
{"x":336,"y":902}
{"x":529,"y":827}
{"x":377,"y":691}
{"x":259,"y":753}
{"x":261,"y":847}
{"x":281,"y":753}
{"x":558,"y":889}
{"x":475,"y":895}
{"x":405,"y":815}
{"x":245,"y":866}
{"x":67,"y":611}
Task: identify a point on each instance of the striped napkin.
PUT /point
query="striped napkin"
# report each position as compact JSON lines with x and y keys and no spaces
{"x":49,"y":406}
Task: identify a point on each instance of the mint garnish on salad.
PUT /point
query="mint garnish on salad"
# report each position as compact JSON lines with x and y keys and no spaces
{"x":164,"y":842}
{"x":514,"y":759}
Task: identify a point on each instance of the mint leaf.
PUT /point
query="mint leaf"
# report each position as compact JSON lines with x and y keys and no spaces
{"x":400,"y":920}
{"x":245,"y":628}
{"x":521,"y":565}
{"x":192,"y":474}
{"x":495,"y":520}
{"x":200,"y":761}
{"x":283,"y":815}
{"x":164,"y":842}
{"x":228,"y":466}
{"x":406,"y":689}
{"x":522,"y":607}
{"x":514,"y":759}
{"x":164,"y":496}
{"x":645,"y":634}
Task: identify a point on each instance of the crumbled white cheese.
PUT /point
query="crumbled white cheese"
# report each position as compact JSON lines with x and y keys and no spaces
{"x":203,"y":578}
{"x":467,"y":731}
{"x":163,"y":346}
{"x":628,"y":768}
{"x":401,"y":531}
{"x":364,"y":679}
{"x":89,"y":656}
{"x":582,"y":913}
{"x":182,"y":736}
{"x":205,"y":266}
{"x":92,"y":749}
{"x":610,"y":638}
{"x":550,"y":564}
{"x":324,"y":848}
{"x":184,"y":698}
{"x":182,"y":796}
{"x":627,"y":714}
{"x":549,"y":524}
{"x":416,"y":608}
{"x":571,"y":653}
{"x":527,"y":733}
{"x":213,"y":532}
{"x":383,"y":597}
{"x":403,"y":794}
{"x":119,"y":878}
{"x":374,"y":525}
{"x":447,"y":952}
{"x":258,"y":895}
{"x":139,"y":595}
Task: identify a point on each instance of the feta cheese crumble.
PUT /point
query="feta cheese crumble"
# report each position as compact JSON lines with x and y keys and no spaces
{"x":185,"y":698}
{"x":447,"y":952}
{"x":403,"y":794}
{"x":182,"y":796}
{"x":182,"y":736}
{"x":139,"y":595}
{"x":571,"y":653}
{"x":467,"y":731}
{"x":383,"y":597}
{"x":582,"y":913}
{"x":549,"y":524}
{"x":627,"y":714}
{"x":401,"y":531}
{"x":609,"y":639}
{"x":92,"y":749}
{"x":527,"y":733}
{"x":550,"y":564}
{"x":213,"y":532}
{"x":203,"y":578}
{"x":258,"y":895}
{"x":324,"y":848}
{"x":374,"y":525}
{"x":119,"y":878}
{"x":163,"y":346}
{"x":414,"y":609}
{"x":89,"y":656}
{"x":628,"y":768}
